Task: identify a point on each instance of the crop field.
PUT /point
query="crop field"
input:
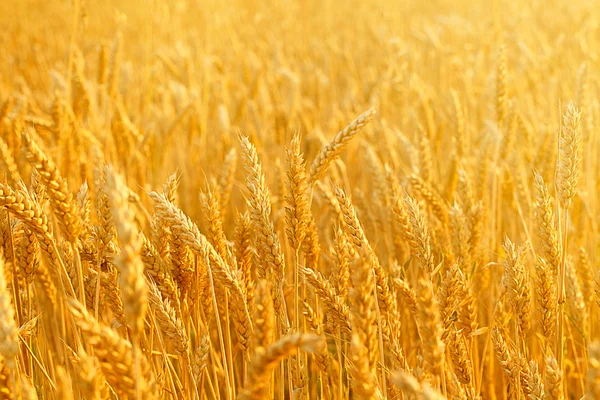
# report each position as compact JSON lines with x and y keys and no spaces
{"x":299,"y":199}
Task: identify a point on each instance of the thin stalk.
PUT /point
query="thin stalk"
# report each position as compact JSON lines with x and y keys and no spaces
{"x":339,"y":354}
{"x":79,"y":269}
{"x":560,"y":331}
{"x":381,"y":348}
{"x":136,"y":365}
{"x":517,"y":344}
{"x":228,"y":381}
{"x":297,"y":308}
{"x":229,"y":342}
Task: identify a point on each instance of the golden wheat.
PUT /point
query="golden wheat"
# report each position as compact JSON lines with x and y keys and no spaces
{"x":299,"y":199}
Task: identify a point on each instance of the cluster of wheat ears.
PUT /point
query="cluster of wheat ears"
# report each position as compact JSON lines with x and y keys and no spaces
{"x":299,"y":200}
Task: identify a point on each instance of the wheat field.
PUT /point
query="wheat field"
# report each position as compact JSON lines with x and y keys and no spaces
{"x":255,"y":199}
